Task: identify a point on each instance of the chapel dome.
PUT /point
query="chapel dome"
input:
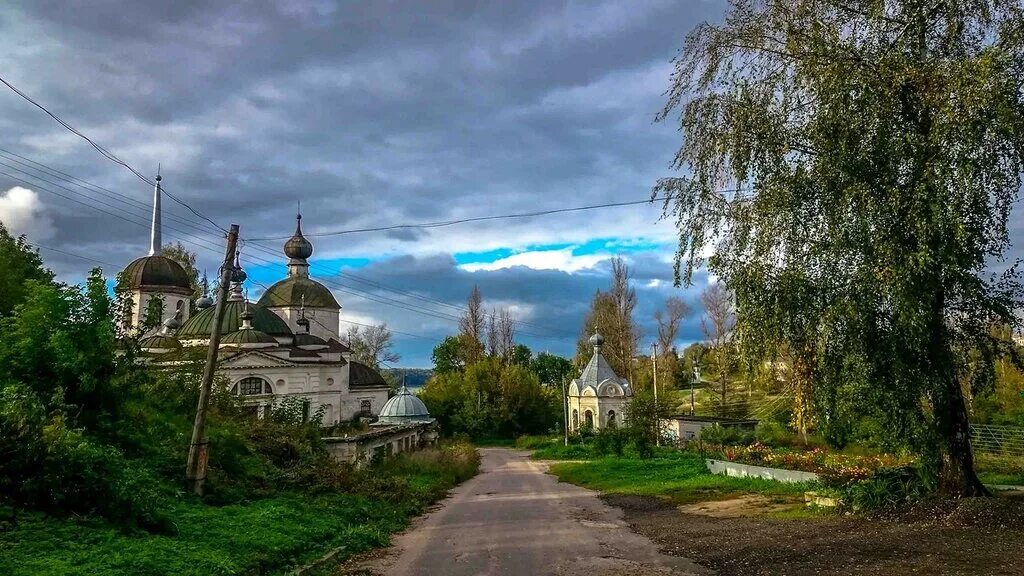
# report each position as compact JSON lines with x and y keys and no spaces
{"x":296,"y":291}
{"x":404,"y":407}
{"x":199,"y":325}
{"x":156,"y":272}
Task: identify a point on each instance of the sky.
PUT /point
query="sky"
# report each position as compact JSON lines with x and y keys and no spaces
{"x":369,"y":115}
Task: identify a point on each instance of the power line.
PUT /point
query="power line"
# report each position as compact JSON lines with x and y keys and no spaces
{"x":443,"y":223}
{"x":64,"y":176}
{"x":65,"y":252}
{"x":106,"y":153}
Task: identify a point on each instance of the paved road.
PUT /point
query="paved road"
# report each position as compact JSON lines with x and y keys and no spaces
{"x":514,"y":519}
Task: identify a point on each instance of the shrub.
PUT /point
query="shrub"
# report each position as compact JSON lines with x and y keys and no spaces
{"x":527,"y":442}
{"x":887,"y":487}
{"x":726,"y":436}
{"x":773,"y":433}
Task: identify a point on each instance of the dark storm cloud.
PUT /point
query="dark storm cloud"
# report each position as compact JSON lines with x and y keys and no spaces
{"x":369,"y":114}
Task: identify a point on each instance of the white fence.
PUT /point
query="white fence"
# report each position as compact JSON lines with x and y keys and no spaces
{"x":997,"y":439}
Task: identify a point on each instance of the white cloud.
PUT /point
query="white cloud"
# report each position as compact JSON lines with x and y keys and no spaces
{"x":563,"y":260}
{"x":22,"y":212}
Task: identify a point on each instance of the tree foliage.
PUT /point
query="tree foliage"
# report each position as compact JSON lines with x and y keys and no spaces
{"x":372,"y":345}
{"x":852,"y":165}
{"x":611,"y":314}
{"x":490,"y":399}
{"x":187,"y":258}
{"x":19,"y":263}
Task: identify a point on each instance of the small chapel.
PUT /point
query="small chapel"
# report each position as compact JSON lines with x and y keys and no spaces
{"x":285,"y":345}
{"x":597,"y":398}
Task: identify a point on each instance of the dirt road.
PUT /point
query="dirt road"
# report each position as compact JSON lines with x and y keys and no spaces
{"x":513,"y":519}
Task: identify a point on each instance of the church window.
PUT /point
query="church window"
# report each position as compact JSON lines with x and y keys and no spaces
{"x":611,"y":419}
{"x":252,"y":386}
{"x":365,"y":407}
{"x":305,"y":410}
{"x":588,"y":419}
{"x":330,"y":381}
{"x":575,"y":419}
{"x":280,"y":384}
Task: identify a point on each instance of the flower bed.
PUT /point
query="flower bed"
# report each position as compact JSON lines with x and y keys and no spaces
{"x":833,"y":468}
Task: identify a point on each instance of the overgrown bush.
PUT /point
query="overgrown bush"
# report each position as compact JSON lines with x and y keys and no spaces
{"x":886,"y":487}
{"x":726,"y":436}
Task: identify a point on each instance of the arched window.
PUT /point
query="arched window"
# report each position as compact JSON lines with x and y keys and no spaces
{"x":611,"y":418}
{"x":588,"y":419}
{"x":252,"y":386}
{"x":575,"y":419}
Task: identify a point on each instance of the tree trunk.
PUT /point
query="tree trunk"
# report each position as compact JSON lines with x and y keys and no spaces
{"x":957,"y":477}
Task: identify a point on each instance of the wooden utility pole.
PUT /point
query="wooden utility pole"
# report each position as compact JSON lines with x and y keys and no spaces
{"x":657,"y":421}
{"x":565,"y":410}
{"x":195,"y":468}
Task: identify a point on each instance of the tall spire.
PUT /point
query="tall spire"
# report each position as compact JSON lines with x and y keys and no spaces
{"x":155,"y":241}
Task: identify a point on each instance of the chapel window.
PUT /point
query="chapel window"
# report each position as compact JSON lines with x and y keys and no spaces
{"x":252,"y":386}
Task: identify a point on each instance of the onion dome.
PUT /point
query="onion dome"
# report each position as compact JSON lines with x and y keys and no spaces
{"x":296,"y":290}
{"x":404,"y":408}
{"x":156,"y":273}
{"x":596,"y":340}
{"x":297,"y":247}
{"x":198,"y":326}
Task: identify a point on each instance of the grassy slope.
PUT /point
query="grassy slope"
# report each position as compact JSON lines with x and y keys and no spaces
{"x":266,"y":536}
{"x":682,"y":477}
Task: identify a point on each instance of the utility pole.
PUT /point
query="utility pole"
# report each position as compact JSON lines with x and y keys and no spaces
{"x":696,"y":377}
{"x":195,"y":468}
{"x":565,"y":411}
{"x":657,"y":420}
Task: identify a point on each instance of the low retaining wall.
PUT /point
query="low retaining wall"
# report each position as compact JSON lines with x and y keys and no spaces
{"x":746,"y":470}
{"x":382,"y":442}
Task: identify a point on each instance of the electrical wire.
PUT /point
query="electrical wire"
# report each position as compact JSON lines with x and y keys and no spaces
{"x":106,"y":153}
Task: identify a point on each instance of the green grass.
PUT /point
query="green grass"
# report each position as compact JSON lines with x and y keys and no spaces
{"x":1005,"y":470}
{"x":679,"y":476}
{"x":268,"y":536}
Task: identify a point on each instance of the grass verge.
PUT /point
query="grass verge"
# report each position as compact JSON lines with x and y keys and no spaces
{"x":267,"y":536}
{"x":681,"y":477}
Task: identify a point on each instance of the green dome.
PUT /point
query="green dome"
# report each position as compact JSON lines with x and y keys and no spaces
{"x":160,"y":342}
{"x":157,"y":272}
{"x":247,"y":336}
{"x":199,"y":325}
{"x":296,"y":291}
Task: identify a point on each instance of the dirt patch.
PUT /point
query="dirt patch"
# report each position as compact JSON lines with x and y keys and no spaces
{"x":951,"y":538}
{"x":750,"y":505}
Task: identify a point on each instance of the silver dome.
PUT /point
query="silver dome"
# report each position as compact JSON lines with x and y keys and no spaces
{"x":404,"y":407}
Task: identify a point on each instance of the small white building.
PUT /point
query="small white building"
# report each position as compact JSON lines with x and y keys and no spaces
{"x":597,"y":398}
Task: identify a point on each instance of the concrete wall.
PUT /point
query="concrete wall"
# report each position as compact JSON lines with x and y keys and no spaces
{"x":382,"y":442}
{"x":746,"y":470}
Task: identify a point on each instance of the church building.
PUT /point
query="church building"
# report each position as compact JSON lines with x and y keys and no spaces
{"x":286,"y":345}
{"x":597,"y":398}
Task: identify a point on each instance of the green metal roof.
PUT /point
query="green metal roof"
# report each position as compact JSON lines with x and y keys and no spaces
{"x":248,"y":336}
{"x":290,"y":292}
{"x":156,"y":272}
{"x":160,"y":342}
{"x":199,"y":325}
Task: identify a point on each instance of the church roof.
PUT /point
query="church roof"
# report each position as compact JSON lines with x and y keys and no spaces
{"x":156,"y":272}
{"x":362,"y":376}
{"x":598,"y":370}
{"x":160,"y":343}
{"x":404,"y":407}
{"x":199,"y":325}
{"x":248,"y":337}
{"x":298,"y":291}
